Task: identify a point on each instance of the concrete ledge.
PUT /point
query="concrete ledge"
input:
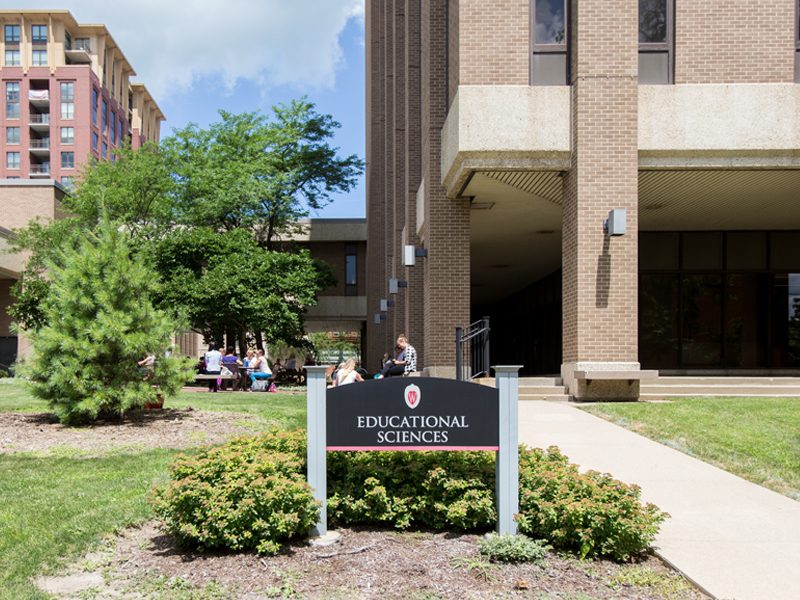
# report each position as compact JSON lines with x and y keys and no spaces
{"x":633,"y":375}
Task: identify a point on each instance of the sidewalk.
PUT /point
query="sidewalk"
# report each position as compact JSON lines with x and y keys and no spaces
{"x":733,"y":538}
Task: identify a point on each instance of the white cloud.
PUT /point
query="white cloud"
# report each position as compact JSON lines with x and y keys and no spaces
{"x":173,"y":43}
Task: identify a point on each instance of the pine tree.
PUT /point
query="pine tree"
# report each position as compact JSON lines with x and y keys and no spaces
{"x":100,"y":323}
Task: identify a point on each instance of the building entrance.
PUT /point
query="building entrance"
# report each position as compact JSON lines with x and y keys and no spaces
{"x":719,"y":300}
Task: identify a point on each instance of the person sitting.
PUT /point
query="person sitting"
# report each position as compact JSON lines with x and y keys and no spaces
{"x":147,"y":366}
{"x":394,"y":367}
{"x":213,"y":366}
{"x":232,"y":363}
{"x":347,"y":373}
{"x":261,"y":368}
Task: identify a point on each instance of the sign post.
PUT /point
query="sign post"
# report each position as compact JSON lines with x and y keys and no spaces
{"x":424,"y":413}
{"x":316,"y":446}
{"x":507,"y":480}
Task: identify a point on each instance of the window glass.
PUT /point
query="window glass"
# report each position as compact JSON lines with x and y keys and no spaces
{"x":658,"y":251}
{"x":95,"y":141}
{"x":550,"y":25}
{"x":94,"y":106}
{"x":105,"y":115}
{"x":784,"y":250}
{"x":68,"y":182}
{"x":12,"y":57}
{"x":67,"y":160}
{"x":39,"y":34}
{"x":105,"y":150}
{"x":11,"y":34}
{"x":67,"y":135}
{"x":39,"y":58}
{"x":746,"y":250}
{"x":113,"y":121}
{"x":702,"y":251}
{"x":12,"y":135}
{"x":12,"y":160}
{"x":12,"y":100}
{"x":652,"y":21}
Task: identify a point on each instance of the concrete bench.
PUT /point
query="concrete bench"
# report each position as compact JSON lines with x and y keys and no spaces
{"x":611,"y":375}
{"x":209,"y":376}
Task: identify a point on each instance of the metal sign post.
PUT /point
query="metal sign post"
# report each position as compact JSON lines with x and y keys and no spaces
{"x":424,"y":413}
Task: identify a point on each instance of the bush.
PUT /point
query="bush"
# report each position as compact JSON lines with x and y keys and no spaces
{"x":591,"y":514}
{"x":249,"y":494}
{"x":513,"y":549}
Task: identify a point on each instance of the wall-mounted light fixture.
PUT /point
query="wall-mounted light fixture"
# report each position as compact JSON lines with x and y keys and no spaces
{"x":396,"y":284}
{"x":386,"y":304}
{"x":377,"y":318}
{"x":411,"y":253}
{"x":616,"y":222}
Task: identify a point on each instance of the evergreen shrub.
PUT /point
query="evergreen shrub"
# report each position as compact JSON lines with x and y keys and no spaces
{"x":100,"y":322}
{"x":591,"y":514}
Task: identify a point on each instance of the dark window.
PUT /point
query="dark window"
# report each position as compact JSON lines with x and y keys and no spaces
{"x":656,"y":41}
{"x":11,"y":34}
{"x":67,"y":160}
{"x":350,"y":270}
{"x":94,"y":106}
{"x":12,"y":100}
{"x":113,"y":121}
{"x":95,"y":141}
{"x":549,"y":42}
{"x":67,"y":41}
{"x":39,"y":34}
{"x":105,"y":116}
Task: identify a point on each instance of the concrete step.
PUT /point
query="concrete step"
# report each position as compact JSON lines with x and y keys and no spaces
{"x":723,"y":390}
{"x":549,"y":381}
{"x":541,"y":389}
{"x":672,"y":395}
{"x":554,"y":397}
{"x":718,"y":380}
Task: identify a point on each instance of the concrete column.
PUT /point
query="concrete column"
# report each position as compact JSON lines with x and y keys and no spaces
{"x":600,"y":273}
{"x":398,"y":132}
{"x":447,"y":236}
{"x":317,"y":443}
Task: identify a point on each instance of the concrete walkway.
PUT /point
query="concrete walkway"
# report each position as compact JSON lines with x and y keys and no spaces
{"x":733,"y":538}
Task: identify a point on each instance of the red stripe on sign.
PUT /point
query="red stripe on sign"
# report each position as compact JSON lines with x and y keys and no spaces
{"x":411,"y":448}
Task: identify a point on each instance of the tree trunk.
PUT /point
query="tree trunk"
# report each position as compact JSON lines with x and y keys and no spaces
{"x":259,"y":341}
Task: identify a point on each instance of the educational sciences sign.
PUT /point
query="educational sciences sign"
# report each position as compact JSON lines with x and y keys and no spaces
{"x":423,"y":413}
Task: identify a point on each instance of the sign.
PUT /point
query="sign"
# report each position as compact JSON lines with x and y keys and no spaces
{"x":423,"y":413}
{"x":415,"y":414}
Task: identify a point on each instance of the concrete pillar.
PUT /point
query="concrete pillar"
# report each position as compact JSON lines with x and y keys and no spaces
{"x":600,"y":273}
{"x":398,"y":133}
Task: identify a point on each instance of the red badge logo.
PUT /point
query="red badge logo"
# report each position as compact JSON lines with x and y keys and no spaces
{"x":412,"y":395}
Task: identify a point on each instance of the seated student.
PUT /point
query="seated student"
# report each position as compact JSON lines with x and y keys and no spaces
{"x":347,"y":373}
{"x":261,"y":368}
{"x":232,"y":362}
{"x":213,"y":366}
{"x":394,"y":367}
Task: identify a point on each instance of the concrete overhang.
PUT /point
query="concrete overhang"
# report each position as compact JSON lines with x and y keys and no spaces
{"x":337,"y":313}
{"x":708,"y":126}
{"x":329,"y":230}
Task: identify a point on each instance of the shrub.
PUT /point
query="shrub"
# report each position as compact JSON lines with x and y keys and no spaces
{"x":100,"y":322}
{"x":589,"y":513}
{"x":249,"y":494}
{"x":513,"y":549}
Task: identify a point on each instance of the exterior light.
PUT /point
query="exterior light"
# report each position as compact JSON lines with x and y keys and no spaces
{"x":396,"y":284}
{"x":410,"y":254}
{"x":616,"y":222}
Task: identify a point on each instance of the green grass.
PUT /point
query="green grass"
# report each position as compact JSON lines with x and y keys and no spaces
{"x":54,"y":508}
{"x":755,"y":438}
{"x":286,"y":410}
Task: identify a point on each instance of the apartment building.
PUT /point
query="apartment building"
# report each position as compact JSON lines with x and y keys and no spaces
{"x":502,"y":135}
{"x":66,"y":96}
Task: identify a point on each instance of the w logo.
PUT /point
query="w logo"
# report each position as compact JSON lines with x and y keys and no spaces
{"x":412,"y":395}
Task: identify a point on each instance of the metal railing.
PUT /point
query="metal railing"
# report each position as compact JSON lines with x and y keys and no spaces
{"x":472,"y":343}
{"x":40,"y":118}
{"x":40,"y":143}
{"x":40,"y":169}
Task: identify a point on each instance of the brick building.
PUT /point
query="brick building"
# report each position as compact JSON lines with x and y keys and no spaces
{"x":66,"y":96}
{"x":501,"y":133}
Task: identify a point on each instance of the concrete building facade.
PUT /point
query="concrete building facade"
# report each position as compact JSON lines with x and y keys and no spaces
{"x":501,"y":133}
{"x":66,"y":96}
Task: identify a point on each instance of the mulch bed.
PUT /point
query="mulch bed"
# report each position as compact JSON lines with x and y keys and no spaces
{"x":365,"y":563}
{"x":169,"y":428}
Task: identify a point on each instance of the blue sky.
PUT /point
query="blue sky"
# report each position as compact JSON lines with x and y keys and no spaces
{"x":197,"y":56}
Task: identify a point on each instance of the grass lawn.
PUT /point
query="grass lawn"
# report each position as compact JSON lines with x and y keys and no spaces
{"x":755,"y":438}
{"x":53,"y":508}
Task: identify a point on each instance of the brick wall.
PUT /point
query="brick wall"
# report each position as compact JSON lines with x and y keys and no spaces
{"x":397,"y":313}
{"x":735,"y":41}
{"x":599,"y":273}
{"x":22,"y":203}
{"x":494,"y":42}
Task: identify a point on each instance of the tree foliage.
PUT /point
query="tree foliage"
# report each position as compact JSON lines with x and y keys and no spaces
{"x":100,"y":323}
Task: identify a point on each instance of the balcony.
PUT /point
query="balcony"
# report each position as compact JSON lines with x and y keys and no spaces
{"x":40,"y":121}
{"x":40,"y":146}
{"x":78,"y":55}
{"x":39,"y":98}
{"x":42,"y":170}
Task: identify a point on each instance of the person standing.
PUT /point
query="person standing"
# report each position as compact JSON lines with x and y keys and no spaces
{"x":213,"y":366}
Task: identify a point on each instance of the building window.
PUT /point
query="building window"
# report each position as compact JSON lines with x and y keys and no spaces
{"x":104,"y":115}
{"x":68,"y":182}
{"x":67,"y":135}
{"x":113,"y":128}
{"x":82,"y":44}
{"x":12,"y":160}
{"x":39,"y":57}
{"x":656,"y":41}
{"x":39,"y":34}
{"x":67,"y":160}
{"x":11,"y":34}
{"x":105,"y":150}
{"x":12,"y":135}
{"x":120,"y":129}
{"x":12,"y":57}
{"x":67,"y":41}
{"x":12,"y":100}
{"x":67,"y":100}
{"x":350,"y":270}
{"x":94,"y":106}
{"x":95,"y":140}
{"x":549,"y":42}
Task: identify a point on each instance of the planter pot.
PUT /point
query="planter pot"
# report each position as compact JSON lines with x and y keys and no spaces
{"x":156,"y":404}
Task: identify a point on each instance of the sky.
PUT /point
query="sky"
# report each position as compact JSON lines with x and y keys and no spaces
{"x":199,"y":56}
